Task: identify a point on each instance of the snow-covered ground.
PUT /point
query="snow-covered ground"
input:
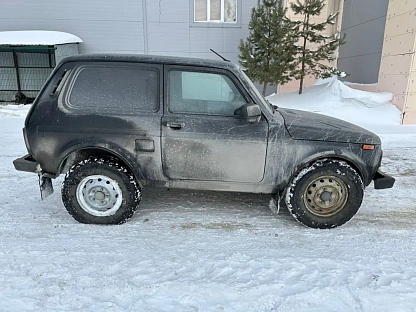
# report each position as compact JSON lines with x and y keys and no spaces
{"x":13,"y":110}
{"x":206,"y":251}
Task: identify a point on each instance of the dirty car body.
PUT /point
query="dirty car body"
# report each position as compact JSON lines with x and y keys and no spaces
{"x":183,"y":123}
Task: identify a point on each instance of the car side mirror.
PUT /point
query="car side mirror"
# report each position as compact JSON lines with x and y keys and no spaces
{"x":250,"y":112}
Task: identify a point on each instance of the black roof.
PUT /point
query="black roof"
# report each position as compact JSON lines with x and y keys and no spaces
{"x":158,"y":59}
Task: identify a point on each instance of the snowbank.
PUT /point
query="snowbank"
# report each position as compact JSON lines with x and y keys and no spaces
{"x":11,"y":110}
{"x":333,"y":98}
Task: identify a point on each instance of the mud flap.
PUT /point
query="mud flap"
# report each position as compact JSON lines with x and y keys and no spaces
{"x":45,"y":185}
{"x":383,"y":181}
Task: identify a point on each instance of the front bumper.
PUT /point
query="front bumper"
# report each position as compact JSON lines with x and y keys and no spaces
{"x":383,"y":181}
{"x":26,"y":163}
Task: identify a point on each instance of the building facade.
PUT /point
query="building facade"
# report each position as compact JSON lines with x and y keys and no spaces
{"x":363,"y":24}
{"x":163,"y":27}
{"x":380,"y":50}
{"x":331,"y":6}
{"x":379,"y":54}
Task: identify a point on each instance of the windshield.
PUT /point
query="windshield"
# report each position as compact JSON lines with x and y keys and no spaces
{"x":257,"y":92}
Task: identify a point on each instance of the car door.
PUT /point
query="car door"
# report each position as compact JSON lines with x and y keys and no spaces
{"x":202,"y":137}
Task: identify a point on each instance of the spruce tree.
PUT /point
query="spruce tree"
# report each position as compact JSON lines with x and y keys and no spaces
{"x":314,"y":46}
{"x":268,"y":54}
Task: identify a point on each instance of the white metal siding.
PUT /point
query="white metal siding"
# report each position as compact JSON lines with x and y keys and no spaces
{"x":103,"y":25}
{"x":64,"y":50}
{"x":117,"y":26}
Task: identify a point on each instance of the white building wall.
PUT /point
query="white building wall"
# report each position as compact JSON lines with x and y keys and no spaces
{"x":64,"y":50}
{"x":103,"y":25}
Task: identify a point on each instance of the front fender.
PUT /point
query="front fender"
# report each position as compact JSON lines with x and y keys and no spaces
{"x":356,"y":162}
{"x":286,"y":159}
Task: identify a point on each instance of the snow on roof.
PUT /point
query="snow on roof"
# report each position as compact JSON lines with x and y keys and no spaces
{"x":36,"y":37}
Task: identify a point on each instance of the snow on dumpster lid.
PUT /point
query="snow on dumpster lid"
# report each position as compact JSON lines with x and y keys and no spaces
{"x":36,"y":37}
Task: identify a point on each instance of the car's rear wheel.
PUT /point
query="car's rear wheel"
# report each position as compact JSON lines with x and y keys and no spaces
{"x":100,"y":191}
{"x":325,"y":195}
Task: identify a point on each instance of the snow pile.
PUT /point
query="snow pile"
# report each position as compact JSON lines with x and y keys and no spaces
{"x":12,"y":110}
{"x":333,"y":98}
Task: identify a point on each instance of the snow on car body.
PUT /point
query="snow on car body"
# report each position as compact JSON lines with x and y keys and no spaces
{"x":118,"y":123}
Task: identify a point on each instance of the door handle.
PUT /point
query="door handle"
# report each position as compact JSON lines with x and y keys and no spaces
{"x":175,"y":126}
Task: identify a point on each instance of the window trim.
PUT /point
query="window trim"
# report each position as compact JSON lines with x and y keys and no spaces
{"x":217,"y":71}
{"x":215,"y":24}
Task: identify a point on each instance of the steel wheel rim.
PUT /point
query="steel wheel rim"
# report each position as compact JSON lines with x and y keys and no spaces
{"x":325,"y":196}
{"x":99,"y":195}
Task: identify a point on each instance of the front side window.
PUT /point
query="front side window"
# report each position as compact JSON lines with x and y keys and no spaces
{"x":203,"y":93}
{"x":224,"y":11}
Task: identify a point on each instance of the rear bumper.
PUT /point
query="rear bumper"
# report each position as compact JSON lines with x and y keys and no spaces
{"x":383,"y":181}
{"x":26,"y":163}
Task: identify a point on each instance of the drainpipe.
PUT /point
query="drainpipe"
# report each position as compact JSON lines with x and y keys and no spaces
{"x":145,"y":35}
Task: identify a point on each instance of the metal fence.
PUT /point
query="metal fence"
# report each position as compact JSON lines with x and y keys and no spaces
{"x":23,"y":71}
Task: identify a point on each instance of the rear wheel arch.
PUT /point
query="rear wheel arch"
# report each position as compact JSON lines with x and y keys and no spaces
{"x":75,"y":156}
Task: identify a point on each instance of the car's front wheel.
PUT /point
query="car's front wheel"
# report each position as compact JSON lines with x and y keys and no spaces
{"x":100,"y":191}
{"x":325,"y":195}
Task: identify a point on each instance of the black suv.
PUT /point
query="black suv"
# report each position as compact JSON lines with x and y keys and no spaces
{"x":117,"y":123}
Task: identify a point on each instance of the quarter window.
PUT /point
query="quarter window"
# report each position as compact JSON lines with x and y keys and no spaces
{"x":224,"y":11}
{"x":107,"y":89}
{"x":203,"y":93}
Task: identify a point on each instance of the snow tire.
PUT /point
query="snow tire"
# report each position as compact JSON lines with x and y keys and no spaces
{"x":120,"y":186}
{"x":326,"y":194}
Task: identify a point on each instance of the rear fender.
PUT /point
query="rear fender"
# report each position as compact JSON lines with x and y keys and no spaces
{"x":79,"y":152}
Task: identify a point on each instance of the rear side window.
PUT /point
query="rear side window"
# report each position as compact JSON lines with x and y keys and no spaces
{"x":109,"y":89}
